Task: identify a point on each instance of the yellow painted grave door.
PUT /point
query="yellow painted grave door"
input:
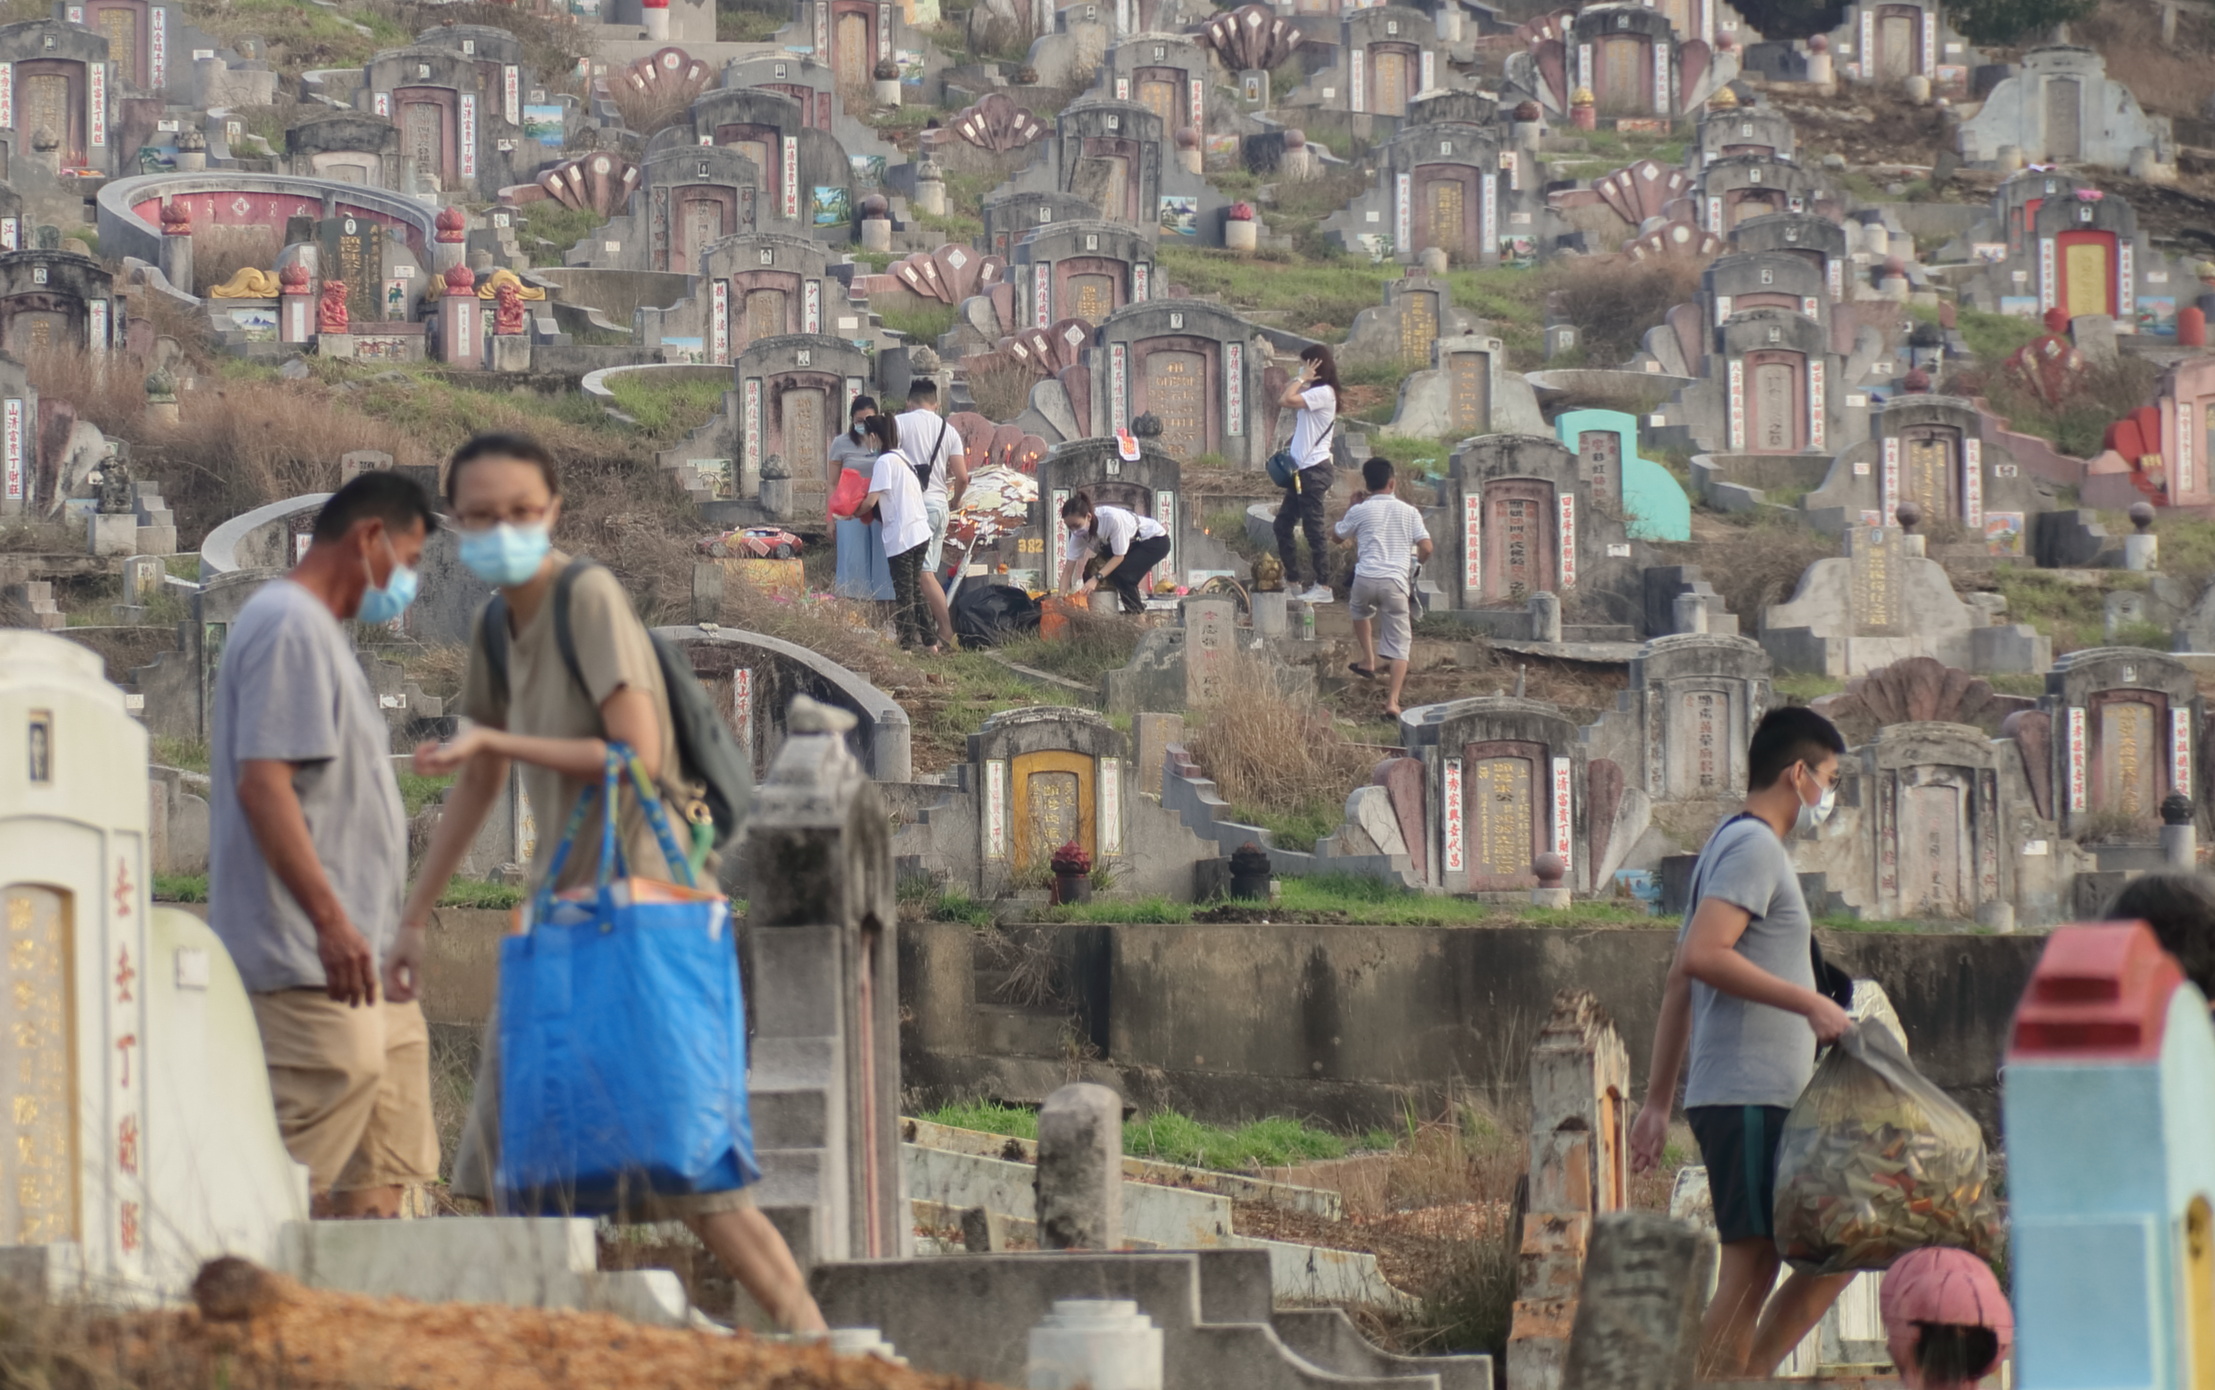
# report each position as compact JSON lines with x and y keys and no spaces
{"x":1053,"y":804}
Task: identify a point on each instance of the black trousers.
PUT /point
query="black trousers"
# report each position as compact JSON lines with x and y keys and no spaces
{"x":1303,"y":510}
{"x":1138,"y":562}
{"x":911,"y":619}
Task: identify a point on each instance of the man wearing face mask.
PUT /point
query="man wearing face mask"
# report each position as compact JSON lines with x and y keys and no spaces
{"x":308,"y":854}
{"x":1741,"y":999}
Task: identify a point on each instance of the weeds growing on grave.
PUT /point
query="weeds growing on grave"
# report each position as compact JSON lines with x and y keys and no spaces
{"x":1274,"y":756}
{"x":1171,"y":1136}
{"x":1094,"y":645}
{"x":665,"y":407}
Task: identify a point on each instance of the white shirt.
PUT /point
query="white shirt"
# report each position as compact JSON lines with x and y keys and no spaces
{"x":905,"y":524}
{"x":1311,"y":428}
{"x":1387,"y":530}
{"x":1119,"y":526}
{"x":919,"y":429}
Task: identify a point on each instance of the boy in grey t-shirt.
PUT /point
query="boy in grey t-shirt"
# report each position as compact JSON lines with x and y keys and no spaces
{"x":1741,"y":999}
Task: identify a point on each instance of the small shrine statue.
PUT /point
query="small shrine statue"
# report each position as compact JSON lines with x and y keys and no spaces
{"x":330,"y":311}
{"x":507,"y":309}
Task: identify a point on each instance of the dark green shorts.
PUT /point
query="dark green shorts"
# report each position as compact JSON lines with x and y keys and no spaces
{"x":1738,"y":1143}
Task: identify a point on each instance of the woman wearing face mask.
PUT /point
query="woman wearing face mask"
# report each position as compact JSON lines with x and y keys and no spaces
{"x":863,"y":571}
{"x":558,"y":723}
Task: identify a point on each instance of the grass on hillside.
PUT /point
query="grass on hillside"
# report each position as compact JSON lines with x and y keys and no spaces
{"x":2073,"y":615}
{"x":1805,"y":687}
{"x":924,"y":324}
{"x":561,"y":228}
{"x":1364,"y":901}
{"x":1093,"y":646}
{"x":1173,"y":1137}
{"x":664,"y":406}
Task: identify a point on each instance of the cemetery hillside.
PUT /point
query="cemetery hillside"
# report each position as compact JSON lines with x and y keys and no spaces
{"x":1133,"y":694}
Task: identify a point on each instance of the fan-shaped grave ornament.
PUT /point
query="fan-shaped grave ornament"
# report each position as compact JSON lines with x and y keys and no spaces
{"x":601,"y":181}
{"x":1678,"y":238}
{"x":668,"y":74}
{"x":1252,"y":38}
{"x":1642,"y":190}
{"x":997,"y":124}
{"x":950,"y":274}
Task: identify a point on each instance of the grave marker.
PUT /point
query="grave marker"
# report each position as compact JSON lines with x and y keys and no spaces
{"x":1210,"y":645}
{"x":1638,"y":1311}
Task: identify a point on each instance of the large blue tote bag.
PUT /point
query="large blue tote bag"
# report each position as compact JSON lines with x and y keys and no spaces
{"x":622,"y":1033}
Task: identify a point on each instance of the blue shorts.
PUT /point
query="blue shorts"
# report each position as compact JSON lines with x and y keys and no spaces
{"x":1738,"y":1143}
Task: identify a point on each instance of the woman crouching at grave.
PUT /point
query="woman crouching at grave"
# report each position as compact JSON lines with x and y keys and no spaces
{"x":564,"y":680}
{"x":1123,"y":545}
{"x":1304,"y":470}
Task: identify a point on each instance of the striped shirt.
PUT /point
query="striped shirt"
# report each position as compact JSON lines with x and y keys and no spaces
{"x":1386,"y":530}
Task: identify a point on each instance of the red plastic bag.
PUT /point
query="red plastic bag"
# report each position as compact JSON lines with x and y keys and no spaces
{"x":853,"y":485}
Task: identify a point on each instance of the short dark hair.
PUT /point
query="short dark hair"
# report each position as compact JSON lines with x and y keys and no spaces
{"x":1376,"y":474}
{"x":1786,"y":735}
{"x":922,"y":389}
{"x":501,"y":445}
{"x":860,"y":404}
{"x":2180,"y":907}
{"x":378,"y":495}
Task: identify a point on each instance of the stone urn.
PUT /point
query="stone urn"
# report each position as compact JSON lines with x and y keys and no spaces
{"x":1250,"y":873}
{"x":887,"y":76}
{"x":1240,"y":232}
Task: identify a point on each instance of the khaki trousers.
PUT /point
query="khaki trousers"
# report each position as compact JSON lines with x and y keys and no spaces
{"x":352,"y":1086}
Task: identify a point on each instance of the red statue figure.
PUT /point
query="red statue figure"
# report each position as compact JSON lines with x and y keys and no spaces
{"x":330,"y":312}
{"x":507,"y":309}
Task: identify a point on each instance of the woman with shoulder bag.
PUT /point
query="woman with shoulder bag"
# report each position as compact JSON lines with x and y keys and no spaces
{"x":1304,"y":469}
{"x":896,"y":496}
{"x":564,"y":679}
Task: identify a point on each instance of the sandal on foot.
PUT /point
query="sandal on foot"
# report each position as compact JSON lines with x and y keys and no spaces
{"x":1367,"y":673}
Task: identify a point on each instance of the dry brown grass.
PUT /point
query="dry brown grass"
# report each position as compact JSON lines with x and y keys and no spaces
{"x":1274,"y":754}
{"x":218,"y":253}
{"x":2169,"y":79}
{"x":1614,"y":301}
{"x":1753,"y":561}
{"x":1001,"y":387}
{"x":645,"y":112}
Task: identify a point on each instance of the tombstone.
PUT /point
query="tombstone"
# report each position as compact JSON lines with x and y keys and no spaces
{"x":1460,"y":393}
{"x":1083,"y":270}
{"x":2126,"y":725}
{"x":1449,"y":186}
{"x":2184,"y":402}
{"x":1580,"y":1170}
{"x":458,"y":113}
{"x":1207,"y":658}
{"x":143,"y":1138}
{"x":1012,"y":215}
{"x":1387,"y":56}
{"x":1738,"y":188}
{"x":2089,"y":255}
{"x":823,"y":961}
{"x":1775,"y":387}
{"x":1641,"y":67}
{"x":1147,"y":485}
{"x":1168,"y":74}
{"x":1524,"y":522}
{"x":1111,"y":157}
{"x":1035,"y":779}
{"x":1644,"y":493}
{"x":1932,"y":795}
{"x":1417,"y":311}
{"x":349,"y":146}
{"x":1886,"y":42}
{"x":1697,"y":698}
{"x":2104,"y":1067}
{"x":58,"y":84}
{"x":1928,"y":450}
{"x":795,"y":391}
{"x":1737,"y":282}
{"x":1737,"y":130}
{"x":353,"y":250}
{"x":1883,"y":602}
{"x":1638,"y":1309}
{"x":1196,"y":367}
{"x":2061,"y":107}
{"x":52,"y":300}
{"x":805,"y":177}
{"x":1502,"y":775}
{"x":1812,"y":238}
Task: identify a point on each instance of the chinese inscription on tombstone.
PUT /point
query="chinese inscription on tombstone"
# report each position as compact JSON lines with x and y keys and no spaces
{"x":1209,"y":631}
{"x":1874,"y":554}
{"x":353,"y":251}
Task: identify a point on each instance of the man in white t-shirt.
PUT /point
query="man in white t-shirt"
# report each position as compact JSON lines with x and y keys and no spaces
{"x":931,"y":440}
{"x":1390,"y":538}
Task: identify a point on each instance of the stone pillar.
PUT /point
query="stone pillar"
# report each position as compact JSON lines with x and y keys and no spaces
{"x":1550,"y":892}
{"x":1545,"y":611}
{"x":707,"y":591}
{"x":192,"y":151}
{"x":1691,"y":613}
{"x":1822,"y":73}
{"x":177,"y":245}
{"x":1270,"y":615}
{"x":461,"y":321}
{"x":1449,"y":21}
{"x":2180,"y":838}
{"x":1080,"y":1169}
{"x":450,"y":242}
{"x":888,"y":88}
{"x":1241,"y":235}
{"x":1580,"y":1093}
{"x":930,"y":189}
{"x":876,"y":223}
{"x":1435,"y":261}
{"x":815,"y":868}
{"x":1190,"y":157}
{"x":2010,"y":159}
{"x":655,"y":14}
{"x":1094,"y":1344}
{"x":295,"y":312}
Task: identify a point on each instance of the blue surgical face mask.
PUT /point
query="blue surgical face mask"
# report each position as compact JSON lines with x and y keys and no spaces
{"x":505,"y":554}
{"x":384,"y":605}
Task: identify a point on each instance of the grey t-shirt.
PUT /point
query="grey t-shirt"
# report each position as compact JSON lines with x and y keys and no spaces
{"x":1745,"y":1053}
{"x":846,"y":453}
{"x":290,"y":689}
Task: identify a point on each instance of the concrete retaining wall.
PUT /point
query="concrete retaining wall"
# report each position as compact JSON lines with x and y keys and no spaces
{"x":1347,"y":1023}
